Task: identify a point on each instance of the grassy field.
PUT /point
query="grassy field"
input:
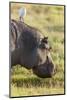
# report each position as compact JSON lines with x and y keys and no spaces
{"x":50,"y":21}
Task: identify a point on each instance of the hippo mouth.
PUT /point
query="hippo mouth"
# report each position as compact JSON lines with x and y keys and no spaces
{"x":46,"y":70}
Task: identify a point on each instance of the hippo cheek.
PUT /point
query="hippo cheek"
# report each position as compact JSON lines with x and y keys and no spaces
{"x":44,"y":71}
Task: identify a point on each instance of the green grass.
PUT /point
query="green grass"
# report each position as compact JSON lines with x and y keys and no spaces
{"x":50,"y":21}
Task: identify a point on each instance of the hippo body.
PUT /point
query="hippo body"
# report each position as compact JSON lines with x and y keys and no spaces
{"x":27,"y":49}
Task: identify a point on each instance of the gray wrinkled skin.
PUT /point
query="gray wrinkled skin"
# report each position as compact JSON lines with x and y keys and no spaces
{"x":28,"y":50}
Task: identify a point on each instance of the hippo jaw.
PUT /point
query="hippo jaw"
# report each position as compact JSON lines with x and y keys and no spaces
{"x":45,"y":70}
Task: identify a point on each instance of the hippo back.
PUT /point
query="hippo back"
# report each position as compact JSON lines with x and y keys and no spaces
{"x":24,"y":42}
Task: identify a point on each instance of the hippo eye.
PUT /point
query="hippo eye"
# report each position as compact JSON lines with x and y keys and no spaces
{"x":42,"y":46}
{"x":45,"y":46}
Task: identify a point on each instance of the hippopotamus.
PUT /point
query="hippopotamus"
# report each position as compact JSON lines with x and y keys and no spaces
{"x":30,"y":49}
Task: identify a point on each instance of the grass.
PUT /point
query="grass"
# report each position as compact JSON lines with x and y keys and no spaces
{"x":50,"y":21}
{"x":24,"y":91}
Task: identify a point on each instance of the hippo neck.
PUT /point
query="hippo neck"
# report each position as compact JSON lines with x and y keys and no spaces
{"x":15,"y":57}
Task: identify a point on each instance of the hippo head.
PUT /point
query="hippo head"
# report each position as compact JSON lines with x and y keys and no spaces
{"x":45,"y":67}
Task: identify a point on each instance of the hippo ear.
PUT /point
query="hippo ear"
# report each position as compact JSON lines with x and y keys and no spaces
{"x":45,"y":37}
{"x":45,"y":40}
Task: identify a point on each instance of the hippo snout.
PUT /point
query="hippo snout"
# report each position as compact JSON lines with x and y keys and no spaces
{"x":50,"y":69}
{"x":45,"y":70}
{"x":50,"y":65}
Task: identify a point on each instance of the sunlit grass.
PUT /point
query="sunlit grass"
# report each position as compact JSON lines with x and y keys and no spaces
{"x":32,"y":91}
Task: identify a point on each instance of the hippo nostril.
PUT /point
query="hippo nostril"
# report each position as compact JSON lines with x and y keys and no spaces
{"x":47,"y":57}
